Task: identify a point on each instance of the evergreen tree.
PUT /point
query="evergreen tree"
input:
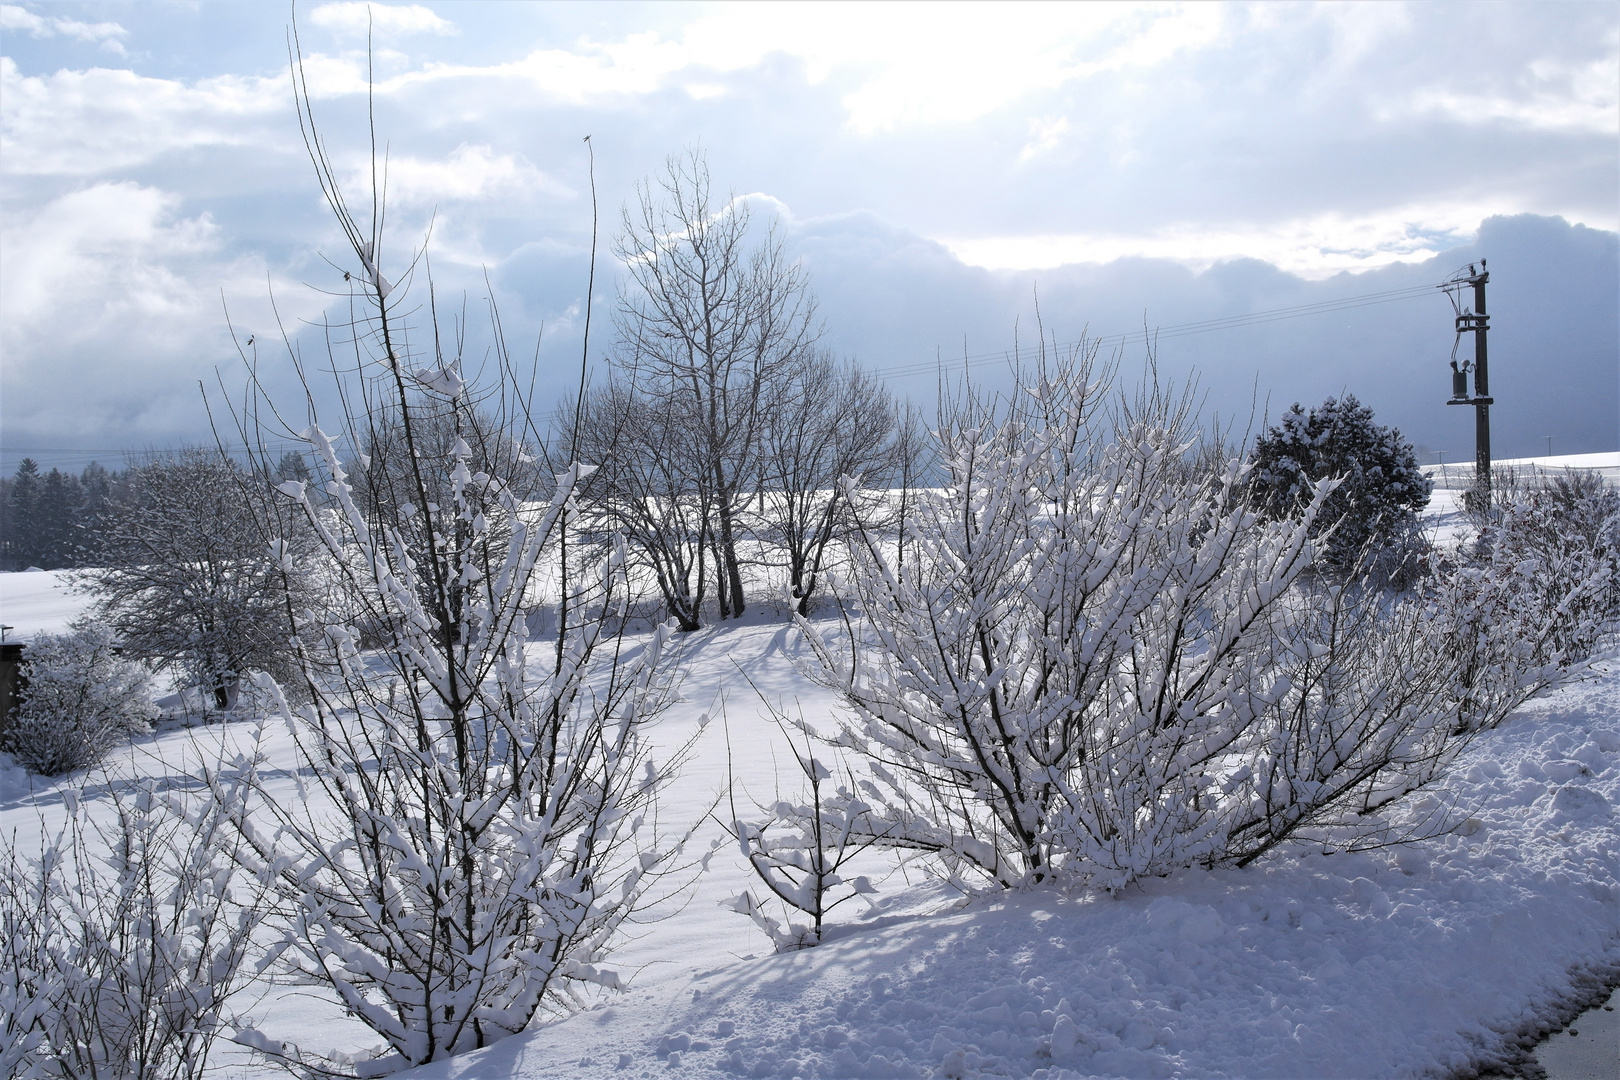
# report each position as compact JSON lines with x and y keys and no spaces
{"x":292,"y":466}
{"x":7,"y":527}
{"x":22,"y":505}
{"x":56,"y":520}
{"x":99,"y":486}
{"x":1381,"y":488}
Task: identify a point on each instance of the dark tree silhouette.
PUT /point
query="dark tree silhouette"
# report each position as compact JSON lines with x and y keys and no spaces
{"x":1381,"y":488}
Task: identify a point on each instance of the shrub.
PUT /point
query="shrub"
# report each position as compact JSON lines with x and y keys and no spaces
{"x":799,"y":851}
{"x":1079,"y":640}
{"x":480,"y":819}
{"x":81,"y":700}
{"x":1372,"y":511}
{"x":1550,"y":551}
{"x":474,"y":819}
{"x":123,"y":941}
{"x":1102,"y":665}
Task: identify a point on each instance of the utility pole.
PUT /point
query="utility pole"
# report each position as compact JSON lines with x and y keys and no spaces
{"x":1475,"y":322}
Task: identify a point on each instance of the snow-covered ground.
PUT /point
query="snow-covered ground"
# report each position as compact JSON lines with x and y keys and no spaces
{"x":1460,"y":474}
{"x":38,"y":602}
{"x":1432,"y":959}
{"x":1445,"y":517}
{"x":1435,"y":958}
{"x":1438,"y":958}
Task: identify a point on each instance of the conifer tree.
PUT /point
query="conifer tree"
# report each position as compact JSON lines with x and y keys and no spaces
{"x":1380,"y":487}
{"x":55,"y":527}
{"x":21,"y":507}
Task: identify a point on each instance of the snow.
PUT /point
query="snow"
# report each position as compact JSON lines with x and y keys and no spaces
{"x":15,"y":782}
{"x":1432,"y":959}
{"x":1447,"y":521}
{"x":39,"y":602}
{"x":1460,"y":474}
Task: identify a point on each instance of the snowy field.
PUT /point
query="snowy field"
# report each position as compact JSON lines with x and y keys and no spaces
{"x":1460,"y":474}
{"x":1436,"y":959}
{"x":38,"y":602}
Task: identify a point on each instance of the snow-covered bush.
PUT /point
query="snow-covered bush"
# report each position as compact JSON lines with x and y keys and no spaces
{"x":798,"y":851}
{"x":481,"y":828}
{"x":28,"y":984}
{"x":477,"y":829}
{"x":123,"y":943}
{"x":1372,"y":513}
{"x":81,"y":700}
{"x":1102,"y":664}
{"x":478,"y":817}
{"x":1379,"y":695}
{"x":1547,"y":558}
{"x":1371,"y":700}
{"x":1049,"y":683}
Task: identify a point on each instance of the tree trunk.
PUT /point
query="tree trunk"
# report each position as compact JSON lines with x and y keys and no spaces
{"x":729,"y":570}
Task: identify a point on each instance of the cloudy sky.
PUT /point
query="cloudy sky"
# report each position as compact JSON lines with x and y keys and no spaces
{"x":937,"y":168}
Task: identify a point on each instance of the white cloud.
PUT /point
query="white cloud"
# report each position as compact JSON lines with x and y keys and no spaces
{"x":355,"y":18}
{"x":81,"y":123}
{"x":639,"y":64}
{"x":1028,"y":136}
{"x":959,"y":62}
{"x":110,"y":241}
{"x":1045,"y":134}
{"x":957,"y":65}
{"x":1552,"y":97}
{"x":1359,"y":31}
{"x":106,"y":34}
{"x":470,"y":172}
{"x":1313,"y":247}
{"x":111,"y":304}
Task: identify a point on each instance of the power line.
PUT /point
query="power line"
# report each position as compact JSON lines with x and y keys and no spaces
{"x":1177,"y":330}
{"x":65,"y":457}
{"x":124,"y":449}
{"x":59,"y":450}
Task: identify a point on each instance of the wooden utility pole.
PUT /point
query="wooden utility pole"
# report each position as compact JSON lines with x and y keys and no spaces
{"x":1475,"y":322}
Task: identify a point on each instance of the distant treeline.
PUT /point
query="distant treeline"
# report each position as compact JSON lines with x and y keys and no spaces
{"x":59,"y":521}
{"x":54,"y":520}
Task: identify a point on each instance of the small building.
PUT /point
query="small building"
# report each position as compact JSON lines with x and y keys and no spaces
{"x":11,"y":660}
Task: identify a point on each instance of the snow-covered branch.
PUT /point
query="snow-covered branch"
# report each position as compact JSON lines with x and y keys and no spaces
{"x":1103,"y":664}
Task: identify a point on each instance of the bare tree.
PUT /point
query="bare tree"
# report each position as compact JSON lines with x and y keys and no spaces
{"x":188,"y":584}
{"x":713,"y":320}
{"x":913,"y":465}
{"x":385,"y":484}
{"x":649,"y":486}
{"x":831,"y":421}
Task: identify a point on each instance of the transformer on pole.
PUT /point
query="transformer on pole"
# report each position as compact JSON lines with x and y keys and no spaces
{"x":1473,"y":321}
